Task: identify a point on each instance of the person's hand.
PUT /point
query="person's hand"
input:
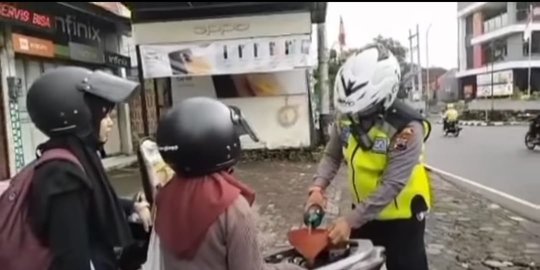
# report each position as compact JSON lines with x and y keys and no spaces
{"x":316,"y":196}
{"x":339,"y":231}
{"x":142,"y":209}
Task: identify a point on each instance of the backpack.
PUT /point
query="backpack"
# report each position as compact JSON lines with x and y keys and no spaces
{"x":20,"y":248}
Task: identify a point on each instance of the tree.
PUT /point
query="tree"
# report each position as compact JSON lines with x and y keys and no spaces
{"x":399,"y":51}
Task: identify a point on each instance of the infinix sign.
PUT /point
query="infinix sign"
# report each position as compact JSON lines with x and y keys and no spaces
{"x":220,"y":29}
{"x":70,"y":26}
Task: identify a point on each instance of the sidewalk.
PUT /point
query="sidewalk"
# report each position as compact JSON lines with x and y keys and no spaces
{"x":119,"y":162}
{"x":463,"y":231}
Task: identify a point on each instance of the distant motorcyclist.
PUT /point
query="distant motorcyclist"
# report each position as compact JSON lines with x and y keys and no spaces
{"x":535,"y":127}
{"x":450,"y":116}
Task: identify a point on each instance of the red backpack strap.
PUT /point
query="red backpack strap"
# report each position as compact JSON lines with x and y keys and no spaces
{"x":59,"y":154}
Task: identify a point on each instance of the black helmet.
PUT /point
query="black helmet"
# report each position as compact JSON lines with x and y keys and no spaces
{"x":200,"y":135}
{"x":56,"y":100}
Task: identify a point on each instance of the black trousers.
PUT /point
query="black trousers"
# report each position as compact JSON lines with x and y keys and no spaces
{"x":402,"y":239}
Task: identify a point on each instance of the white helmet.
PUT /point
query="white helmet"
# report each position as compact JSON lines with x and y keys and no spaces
{"x":368,"y":80}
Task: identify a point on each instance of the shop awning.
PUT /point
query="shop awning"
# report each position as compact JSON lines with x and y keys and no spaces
{"x":168,"y":11}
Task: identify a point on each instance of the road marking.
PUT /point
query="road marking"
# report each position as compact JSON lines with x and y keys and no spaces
{"x":486,"y":188}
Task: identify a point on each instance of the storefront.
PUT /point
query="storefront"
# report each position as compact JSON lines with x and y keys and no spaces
{"x":38,"y":38}
{"x":251,"y":62}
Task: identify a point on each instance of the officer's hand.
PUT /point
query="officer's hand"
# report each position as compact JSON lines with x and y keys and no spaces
{"x":316,"y":197}
{"x":339,"y":231}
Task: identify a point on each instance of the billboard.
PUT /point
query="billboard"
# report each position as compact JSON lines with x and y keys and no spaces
{"x":226,"y":57}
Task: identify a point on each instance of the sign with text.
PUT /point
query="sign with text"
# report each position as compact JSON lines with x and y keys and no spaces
{"x":13,"y":13}
{"x":499,"y":77}
{"x":85,"y":53}
{"x":76,"y":28}
{"x":33,"y":46}
{"x":252,"y":55}
{"x":117,"y":60}
{"x":236,"y":27}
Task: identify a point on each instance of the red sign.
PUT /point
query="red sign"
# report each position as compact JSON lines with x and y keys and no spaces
{"x":13,"y":13}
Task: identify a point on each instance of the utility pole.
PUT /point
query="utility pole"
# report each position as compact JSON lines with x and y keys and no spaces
{"x":413,"y":68}
{"x":428,"y":90}
{"x":324,"y":95}
{"x":416,"y":68}
{"x":531,"y":14}
{"x":323,"y":69}
{"x":420,"y":83}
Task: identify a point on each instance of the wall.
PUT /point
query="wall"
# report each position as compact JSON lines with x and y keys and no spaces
{"x":478,"y":22}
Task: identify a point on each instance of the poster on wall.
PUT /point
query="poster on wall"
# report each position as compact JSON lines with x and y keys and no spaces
{"x":275,"y":104}
{"x":283,"y":83}
{"x":227,"y":57}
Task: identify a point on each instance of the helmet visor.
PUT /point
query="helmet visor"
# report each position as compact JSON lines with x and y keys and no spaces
{"x":109,"y":87}
{"x":241,"y":126}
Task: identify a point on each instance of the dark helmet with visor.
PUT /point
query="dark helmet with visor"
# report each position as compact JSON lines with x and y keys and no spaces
{"x":57,"y":102}
{"x":201,"y":135}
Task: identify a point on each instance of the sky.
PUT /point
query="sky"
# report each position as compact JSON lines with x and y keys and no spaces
{"x":364,"y":21}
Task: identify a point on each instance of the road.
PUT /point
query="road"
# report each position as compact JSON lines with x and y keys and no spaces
{"x":492,"y":156}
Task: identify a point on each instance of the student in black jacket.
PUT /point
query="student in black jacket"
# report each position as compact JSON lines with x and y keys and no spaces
{"x":75,"y":210}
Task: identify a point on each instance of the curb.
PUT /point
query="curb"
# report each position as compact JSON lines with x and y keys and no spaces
{"x":487,"y":124}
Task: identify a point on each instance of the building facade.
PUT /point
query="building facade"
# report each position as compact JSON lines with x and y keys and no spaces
{"x":492,"y":49}
{"x":36,"y":37}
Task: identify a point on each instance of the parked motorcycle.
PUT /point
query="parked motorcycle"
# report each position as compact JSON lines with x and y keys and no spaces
{"x":311,"y":249}
{"x":357,"y":254}
{"x":452,"y":128}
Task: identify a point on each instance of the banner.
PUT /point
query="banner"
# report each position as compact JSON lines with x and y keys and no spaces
{"x":499,"y":77}
{"x":255,"y":55}
{"x":498,"y":90}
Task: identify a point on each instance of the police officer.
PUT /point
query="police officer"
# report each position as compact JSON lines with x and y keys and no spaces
{"x":381,"y":140}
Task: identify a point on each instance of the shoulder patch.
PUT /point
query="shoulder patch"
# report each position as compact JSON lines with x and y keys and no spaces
{"x":401,"y":140}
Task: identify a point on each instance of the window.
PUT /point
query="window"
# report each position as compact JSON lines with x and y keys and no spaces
{"x":470,"y":62}
{"x":535,"y":46}
{"x":469,"y":25}
{"x":500,"y":51}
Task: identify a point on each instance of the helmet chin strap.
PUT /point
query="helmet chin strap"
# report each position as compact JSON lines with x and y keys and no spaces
{"x":362,"y":125}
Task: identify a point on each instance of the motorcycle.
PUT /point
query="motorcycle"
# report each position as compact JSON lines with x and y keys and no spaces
{"x":357,"y":254}
{"x":311,"y":253}
{"x":531,"y":141}
{"x":452,"y":128}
